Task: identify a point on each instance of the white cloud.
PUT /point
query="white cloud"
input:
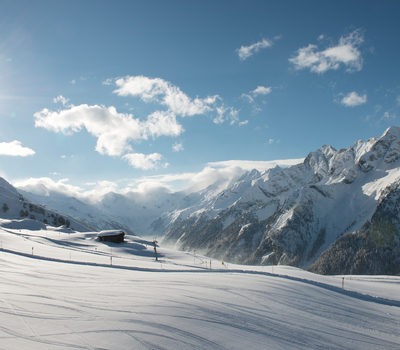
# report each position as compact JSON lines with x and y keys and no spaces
{"x":142,"y":161}
{"x":15,"y":149}
{"x":248,"y":165}
{"x":43,"y":185}
{"x":388,"y":115}
{"x":271,"y":141}
{"x":246,"y":51}
{"x":108,"y":81}
{"x":346,"y":52}
{"x":224,"y":172}
{"x":227,"y":171}
{"x":244,"y":122}
{"x":226,"y":114}
{"x":163,"y":92}
{"x":247,"y":97}
{"x":73,"y":81}
{"x":113,"y":130}
{"x":176,"y":147}
{"x":261,"y":90}
{"x":352,"y":99}
{"x":61,"y":99}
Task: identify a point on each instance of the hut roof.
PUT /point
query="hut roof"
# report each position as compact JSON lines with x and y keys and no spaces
{"x":110,"y":233}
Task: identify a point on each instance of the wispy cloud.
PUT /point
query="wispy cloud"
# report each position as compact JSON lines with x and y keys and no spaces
{"x":61,"y":99}
{"x":352,"y":99}
{"x":226,"y":114}
{"x":108,"y":81}
{"x":244,"y":122}
{"x":252,"y":95}
{"x":261,"y":90}
{"x":346,"y":53}
{"x":388,"y":115}
{"x":143,"y":161}
{"x":15,"y":149}
{"x":246,"y":51}
{"x":163,"y":92}
{"x":176,"y":147}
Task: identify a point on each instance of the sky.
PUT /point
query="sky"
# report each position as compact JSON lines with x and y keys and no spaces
{"x":138,"y":95}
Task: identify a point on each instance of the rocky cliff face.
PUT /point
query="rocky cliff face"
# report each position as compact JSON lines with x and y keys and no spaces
{"x":289,"y":216}
{"x":375,"y":249}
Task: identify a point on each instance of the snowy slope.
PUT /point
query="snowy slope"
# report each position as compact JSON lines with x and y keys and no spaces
{"x":60,"y":291}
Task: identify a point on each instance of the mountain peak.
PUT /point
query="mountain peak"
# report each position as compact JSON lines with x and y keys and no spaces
{"x":392,"y":131}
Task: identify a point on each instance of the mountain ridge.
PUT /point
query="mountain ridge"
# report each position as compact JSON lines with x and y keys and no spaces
{"x":278,"y":216}
{"x":305,"y":208}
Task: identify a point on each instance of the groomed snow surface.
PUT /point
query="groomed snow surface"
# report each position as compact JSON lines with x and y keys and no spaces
{"x":58,"y":290}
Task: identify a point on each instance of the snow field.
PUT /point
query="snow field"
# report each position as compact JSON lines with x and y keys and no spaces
{"x":48,"y":301}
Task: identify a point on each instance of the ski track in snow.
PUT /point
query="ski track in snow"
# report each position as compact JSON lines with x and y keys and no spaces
{"x":50,"y":302}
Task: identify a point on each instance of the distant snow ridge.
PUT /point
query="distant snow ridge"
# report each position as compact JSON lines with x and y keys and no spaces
{"x":13,"y":205}
{"x":290,"y":216}
{"x":279,"y":216}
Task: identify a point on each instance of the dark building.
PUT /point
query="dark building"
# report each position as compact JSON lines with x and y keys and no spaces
{"x":114,"y":236}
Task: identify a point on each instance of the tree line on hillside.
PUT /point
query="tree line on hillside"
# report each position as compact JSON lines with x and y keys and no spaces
{"x":30,"y":208}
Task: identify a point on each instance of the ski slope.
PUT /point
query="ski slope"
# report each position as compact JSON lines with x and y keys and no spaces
{"x":62,"y":289}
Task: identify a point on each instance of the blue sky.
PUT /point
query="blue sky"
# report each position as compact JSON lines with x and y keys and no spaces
{"x":132,"y":95}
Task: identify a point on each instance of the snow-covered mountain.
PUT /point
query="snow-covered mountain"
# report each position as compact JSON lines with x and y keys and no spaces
{"x":133,"y":212}
{"x":15,"y":206}
{"x":278,"y":216}
{"x":87,"y":215}
{"x":290,"y":216}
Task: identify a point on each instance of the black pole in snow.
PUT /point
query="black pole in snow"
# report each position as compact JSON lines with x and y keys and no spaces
{"x":155,"y":246}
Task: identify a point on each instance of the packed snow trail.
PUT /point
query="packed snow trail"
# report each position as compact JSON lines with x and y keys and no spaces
{"x":54,"y":304}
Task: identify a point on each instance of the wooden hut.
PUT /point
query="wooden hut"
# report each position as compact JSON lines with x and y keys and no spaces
{"x":114,"y":236}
